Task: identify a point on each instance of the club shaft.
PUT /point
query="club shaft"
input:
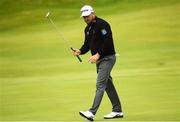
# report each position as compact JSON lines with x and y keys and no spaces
{"x":59,"y":33}
{"x":64,"y":39}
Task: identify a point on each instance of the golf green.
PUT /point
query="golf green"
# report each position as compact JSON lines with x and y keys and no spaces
{"x":40,"y":80}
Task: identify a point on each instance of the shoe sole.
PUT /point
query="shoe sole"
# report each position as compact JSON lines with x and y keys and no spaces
{"x":115,"y":117}
{"x":90,"y":119}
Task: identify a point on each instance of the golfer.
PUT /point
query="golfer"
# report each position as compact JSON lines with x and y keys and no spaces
{"x":99,"y":40}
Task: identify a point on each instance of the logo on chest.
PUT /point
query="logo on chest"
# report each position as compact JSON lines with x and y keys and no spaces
{"x":92,"y":33}
{"x":87,"y":33}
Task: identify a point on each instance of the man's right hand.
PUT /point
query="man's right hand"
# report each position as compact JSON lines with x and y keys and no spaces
{"x":76,"y":52}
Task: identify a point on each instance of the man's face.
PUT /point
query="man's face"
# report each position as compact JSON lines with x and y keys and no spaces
{"x":89,"y":19}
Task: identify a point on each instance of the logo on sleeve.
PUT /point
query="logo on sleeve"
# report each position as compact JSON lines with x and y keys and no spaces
{"x":103,"y":31}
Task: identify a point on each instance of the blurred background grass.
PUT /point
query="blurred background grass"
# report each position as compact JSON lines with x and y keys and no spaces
{"x":41,"y":80}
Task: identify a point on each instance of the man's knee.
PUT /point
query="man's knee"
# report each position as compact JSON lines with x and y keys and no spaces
{"x":100,"y":85}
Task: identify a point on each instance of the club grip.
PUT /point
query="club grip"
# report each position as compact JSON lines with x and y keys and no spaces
{"x":77,"y":55}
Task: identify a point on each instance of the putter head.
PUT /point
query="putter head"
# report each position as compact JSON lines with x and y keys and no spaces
{"x":47,"y":15}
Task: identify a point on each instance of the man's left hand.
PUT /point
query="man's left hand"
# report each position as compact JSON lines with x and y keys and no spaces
{"x":94,"y":58}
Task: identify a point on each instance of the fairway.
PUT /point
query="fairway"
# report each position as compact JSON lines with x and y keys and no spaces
{"x":40,"y":80}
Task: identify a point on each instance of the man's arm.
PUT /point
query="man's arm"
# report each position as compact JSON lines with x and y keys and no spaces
{"x":106,"y":33}
{"x":85,"y":47}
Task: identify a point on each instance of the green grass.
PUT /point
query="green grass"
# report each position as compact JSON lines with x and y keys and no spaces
{"x":41,"y":80}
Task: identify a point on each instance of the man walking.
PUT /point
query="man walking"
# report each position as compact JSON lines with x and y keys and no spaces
{"x":99,"y":40}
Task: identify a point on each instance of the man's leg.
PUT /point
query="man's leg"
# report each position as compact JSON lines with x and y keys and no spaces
{"x":104,"y":68}
{"x":113,"y":96}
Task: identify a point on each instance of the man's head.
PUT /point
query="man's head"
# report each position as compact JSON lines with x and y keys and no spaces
{"x":88,"y":14}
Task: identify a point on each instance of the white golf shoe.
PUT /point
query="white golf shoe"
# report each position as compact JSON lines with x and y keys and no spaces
{"x":114,"y":115}
{"x":87,"y":114}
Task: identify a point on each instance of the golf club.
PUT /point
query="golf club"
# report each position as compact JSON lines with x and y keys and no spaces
{"x":61,"y":35}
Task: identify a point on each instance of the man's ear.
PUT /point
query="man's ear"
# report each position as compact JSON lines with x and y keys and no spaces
{"x":93,"y":13}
